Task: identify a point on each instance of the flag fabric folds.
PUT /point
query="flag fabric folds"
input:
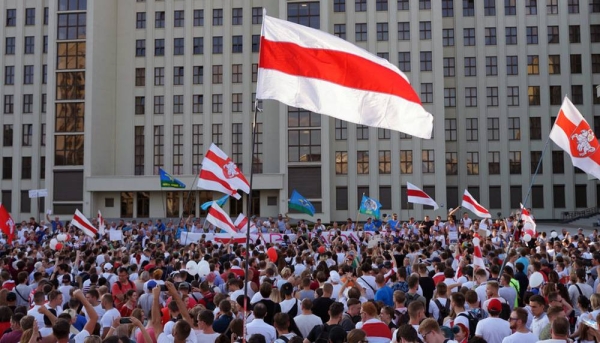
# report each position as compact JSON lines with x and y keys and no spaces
{"x":370,"y":207}
{"x":81,"y":222}
{"x":220,"y":174}
{"x":219,"y":202}
{"x":166,"y":180}
{"x":7,"y":224}
{"x":101,"y":224}
{"x":417,"y":196}
{"x":472,"y":205}
{"x":220,"y":219}
{"x":311,"y":69}
{"x":241,"y":222}
{"x":478,"y":257}
{"x":574,"y":135}
{"x":528,"y":222}
{"x":299,"y":203}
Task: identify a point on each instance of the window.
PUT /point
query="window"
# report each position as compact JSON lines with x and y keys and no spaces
{"x":217,"y":74}
{"x":7,"y":136}
{"x":406,"y":161}
{"x":555,"y":95}
{"x":140,"y":47}
{"x":489,"y":7}
{"x":8,"y":104}
{"x":491,"y":65}
{"x":177,"y":104}
{"x":469,"y":37}
{"x":361,"y":32}
{"x":178,"y":76}
{"x":68,"y":150}
{"x":553,"y":35}
{"x":360,"y":5}
{"x":535,"y":159}
{"x":236,"y":73}
{"x":514,"y":158}
{"x":472,"y":128}
{"x":362,"y":132}
{"x":403,"y":31}
{"x":575,"y":63}
{"x":29,"y":16}
{"x":27,"y":135}
{"x":341,"y":130}
{"x":178,"y":46}
{"x":29,"y":45}
{"x":449,"y":65}
{"x":198,"y":77}
{"x":448,"y":37}
{"x":595,"y":63}
{"x":424,"y":4}
{"x":257,"y":15}
{"x":577,"y":94}
{"x":472,"y":163}
{"x":492,"y":96}
{"x":449,"y":97}
{"x":6,"y":168}
{"x":451,"y":163}
{"x":468,"y":8}
{"x":425,"y":30}
{"x":237,"y":16}
{"x":45,"y":47}
{"x":362,"y":162}
{"x":510,"y":7}
{"x":196,"y":147}
{"x":531,"y":7}
{"x":236,"y":102}
{"x":535,"y":128}
{"x":44,"y":102}
{"x":198,"y":45}
{"x":594,"y":6}
{"x":381,"y":5}
{"x":217,"y":17}
{"x":595,"y":33}
{"x":532,"y":34}
{"x":426,"y":60}
{"x":427,"y":93}
{"x":198,"y":103}
{"x":140,"y":77}
{"x":447,"y":8}
{"x":140,"y":20}
{"x":217,"y":45}
{"x":46,"y":15}
{"x":339,"y":30}
{"x":470,"y":66}
{"x":341,"y":198}
{"x":11,"y":17}
{"x":383,"y":133}
{"x":514,"y":128}
{"x":573,"y":6}
{"x":512,"y":65}
{"x":490,"y":36}
{"x":159,"y":76}
{"x":471,"y":96}
{"x":534,"y":95}
{"x":339,"y":5}
{"x":237,"y":44}
{"x":159,"y":104}
{"x":533,"y":65}
{"x":559,"y":196}
{"x":304,"y":135}
{"x":159,"y":47}
{"x":9,"y":75}
{"x":27,"y":103}
{"x":493,"y":129}
{"x":139,"y":105}
{"x":428,"y":161}
{"x":159,"y":20}
{"x":494,"y":162}
{"x":511,"y":35}
{"x":558,"y":162}
{"x":404,"y":61}
{"x":574,"y":34}
{"x":159,"y":147}
{"x":554,"y":64}
{"x":10,"y":46}
{"x":71,"y":55}
{"x":382,"y":31}
{"x":254,"y":72}
{"x":256,"y":41}
{"x":552,"y":7}
{"x":198,"y":17}
{"x":217,"y":103}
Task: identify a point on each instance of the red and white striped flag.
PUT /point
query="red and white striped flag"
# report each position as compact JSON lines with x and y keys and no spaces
{"x":573,"y":134}
{"x":241,"y":222}
{"x":417,"y":196}
{"x":478,"y":257}
{"x":220,"y":219}
{"x":220,"y":174}
{"x":311,"y":69}
{"x":528,"y":222}
{"x":471,"y":204}
{"x":101,"y":224}
{"x":81,"y":222}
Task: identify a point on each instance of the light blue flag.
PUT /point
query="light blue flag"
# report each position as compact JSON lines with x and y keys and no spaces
{"x":370,"y":207}
{"x":219,"y":202}
{"x":299,"y":203}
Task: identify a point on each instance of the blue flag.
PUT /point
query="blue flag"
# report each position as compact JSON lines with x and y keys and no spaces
{"x":219,"y":202}
{"x":299,"y":203}
{"x":370,"y":207}
{"x":166,"y":180}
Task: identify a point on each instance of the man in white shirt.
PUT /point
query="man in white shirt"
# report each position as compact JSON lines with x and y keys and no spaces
{"x":518,"y":323}
{"x":493,"y":329}
{"x":258,"y":325}
{"x":540,"y":319}
{"x":491,"y":291}
{"x":205,"y":323}
{"x":38,"y":299}
{"x":307,"y":320}
{"x":559,"y":331}
{"x":110,"y":314}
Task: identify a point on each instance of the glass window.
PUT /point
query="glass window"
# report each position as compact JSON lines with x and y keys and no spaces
{"x":71,"y":26}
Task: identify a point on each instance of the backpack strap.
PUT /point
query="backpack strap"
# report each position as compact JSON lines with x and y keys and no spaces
{"x":368,"y":284}
{"x":579,"y":289}
{"x":283,"y":338}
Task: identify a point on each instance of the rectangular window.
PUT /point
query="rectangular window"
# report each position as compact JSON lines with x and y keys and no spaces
{"x":424,"y":4}
{"x":30,"y":16}
{"x":217,"y":134}
{"x":559,"y":196}
{"x":177,"y":149}
{"x":159,"y":20}
{"x":447,"y":8}
{"x":339,"y":30}
{"x":178,"y":76}
{"x":511,"y":35}
{"x":381,"y":5}
{"x":404,"y":61}
{"x":140,"y":77}
{"x":492,"y":96}
{"x":426,"y":61}
{"x":360,"y":5}
{"x":9,"y":46}
{"x":491,"y":65}
{"x":469,"y":37}
{"x":360,"y":32}
{"x":493,"y":129}
{"x":428,"y":161}
{"x":558,"y":162}
{"x":198,"y":103}
{"x":198,"y":75}
{"x":449,"y":66}
{"x":159,"y":76}
{"x":495,"y":196}
{"x":514,"y":128}
{"x":403,"y":31}
{"x":449,"y":97}
{"x":362,"y":132}
{"x":178,"y":46}
{"x":472,"y":129}
{"x":217,"y":45}
{"x":553,"y":35}
{"x":46,"y":15}
{"x":533,"y":65}
{"x":7,"y":135}
{"x":512,"y":94}
{"x":159,"y":47}
{"x":472,"y":163}
{"x":450,"y":129}
{"x":341,"y":129}
{"x":427,"y":93}
{"x":341,"y":198}
{"x":140,"y":47}
{"x":532,"y":34}
{"x":406,"y":161}
{"x":7,"y":168}
{"x":362,"y":162}
{"x":236,"y":102}
{"x":140,"y":20}
{"x":383,"y":133}
{"x":217,"y":74}
{"x":196,"y":147}
{"x":29,"y":45}
{"x":28,"y":75}
{"x":451,"y":163}
{"x":198,"y":45}
{"x":71,"y":55}
{"x":555,"y":95}
{"x":574,"y":34}
{"x":44,"y":102}
{"x":554,"y":64}
{"x":595,"y":63}
{"x":159,"y":104}
{"x":236,"y":73}
{"x":535,"y":159}
{"x":237,"y":16}
{"x":471,"y":96}
{"x":535,"y":128}
{"x":27,"y":103}
{"x":177,"y":104}
{"x":9,"y":75}
{"x":217,"y":103}
{"x":494,"y":162}
{"x":198,"y":17}
{"x":425,"y":30}
{"x":552,"y":7}
{"x":573,"y":6}
{"x":159,"y":148}
{"x":11,"y":17}
{"x":575,"y":63}
{"x":468,"y":8}
{"x":339,"y":5}
{"x":8,"y":104}
{"x":218,"y":17}
{"x":140,"y":107}
{"x":580,"y":196}
{"x":26,"y":168}
{"x":257,"y":15}
{"x":237,"y":144}
{"x":489,"y":7}
{"x":490,"y":36}
{"x":448,"y":37}
{"x":237,"y":44}
{"x":534,"y":95}
{"x":382,"y":31}
{"x":256,"y":41}
{"x":577,"y":94}
{"x":531,"y":7}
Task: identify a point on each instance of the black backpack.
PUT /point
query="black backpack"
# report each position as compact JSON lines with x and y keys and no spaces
{"x":410,"y":298}
{"x":401,"y":317}
{"x":472,"y":323}
{"x":444,"y":310}
{"x":505,"y":313}
{"x":324,"y":335}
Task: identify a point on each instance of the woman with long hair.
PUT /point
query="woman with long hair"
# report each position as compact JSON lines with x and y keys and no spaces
{"x":130,"y":303}
{"x":386,"y":314}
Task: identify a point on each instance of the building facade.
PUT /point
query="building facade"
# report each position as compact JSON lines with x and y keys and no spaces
{"x":97,"y":95}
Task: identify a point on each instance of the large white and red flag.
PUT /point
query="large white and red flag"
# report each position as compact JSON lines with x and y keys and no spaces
{"x":311,"y":69}
{"x":7,"y":224}
{"x":478,"y":257}
{"x":220,"y":219}
{"x":240,"y":222}
{"x":472,"y":205}
{"x":101,"y":224}
{"x":81,"y":222}
{"x":417,"y":196}
{"x":573,"y":134}
{"x":220,"y":174}
{"x":528,"y":222}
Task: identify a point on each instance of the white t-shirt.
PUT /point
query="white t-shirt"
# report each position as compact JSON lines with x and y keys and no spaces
{"x":493,"y":330}
{"x":107,"y":319}
{"x":206,"y":338}
{"x":81,"y":336}
{"x":518,"y":337}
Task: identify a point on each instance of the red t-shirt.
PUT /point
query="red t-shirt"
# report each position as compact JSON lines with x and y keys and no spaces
{"x":119,"y":288}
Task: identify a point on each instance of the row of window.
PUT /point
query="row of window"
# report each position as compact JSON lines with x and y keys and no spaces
{"x":27,"y":106}
{"x":237,"y":45}
{"x":197,"y":75}
{"x":7,"y":166}
{"x":10,"y":46}
{"x":25,"y":200}
{"x":26,"y":135}
{"x":237,"y":104}
{"x":237,"y":16}
{"x":468,"y":6}
{"x":11,"y":16}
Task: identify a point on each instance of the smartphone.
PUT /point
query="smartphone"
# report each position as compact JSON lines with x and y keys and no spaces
{"x":125,"y":321}
{"x":163,"y":288}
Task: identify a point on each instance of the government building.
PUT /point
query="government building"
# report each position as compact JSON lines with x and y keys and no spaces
{"x":98,"y":94}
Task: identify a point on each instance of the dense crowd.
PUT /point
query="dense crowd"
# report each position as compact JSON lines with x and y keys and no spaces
{"x":393,"y":282}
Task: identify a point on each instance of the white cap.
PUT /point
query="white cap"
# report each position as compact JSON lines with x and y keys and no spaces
{"x":108,"y":266}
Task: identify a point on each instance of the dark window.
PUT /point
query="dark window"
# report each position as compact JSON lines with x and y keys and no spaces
{"x":178,"y":46}
{"x":198,"y":17}
{"x":11,"y":17}
{"x":71,"y":26}
{"x":447,"y":8}
{"x":495,"y":197}
{"x":140,"y":20}
{"x":580,"y":196}
{"x":341,"y":198}
{"x":339,"y":5}
{"x":559,"y":196}
{"x":516,"y":196}
{"x":558,"y":162}
{"x":307,"y":14}
{"x":7,"y":168}
{"x":535,"y":159}
{"x":535,"y":128}
{"x":159,"y":20}
{"x":26,"y":168}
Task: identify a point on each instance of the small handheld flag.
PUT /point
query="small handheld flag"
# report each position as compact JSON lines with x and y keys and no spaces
{"x":370,"y":207}
{"x":166,"y":180}
{"x":219,"y":202}
{"x":299,"y":203}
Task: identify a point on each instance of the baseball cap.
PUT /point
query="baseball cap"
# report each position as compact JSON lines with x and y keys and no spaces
{"x":184,"y":285}
{"x":495,"y":306}
{"x":151,"y":284}
{"x":287,"y":289}
{"x":334,"y":276}
{"x":108,"y":266}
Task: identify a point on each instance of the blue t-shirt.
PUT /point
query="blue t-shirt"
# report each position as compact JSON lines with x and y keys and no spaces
{"x":523,"y":260}
{"x":386,"y":295}
{"x":369,"y":227}
{"x":392,"y":224}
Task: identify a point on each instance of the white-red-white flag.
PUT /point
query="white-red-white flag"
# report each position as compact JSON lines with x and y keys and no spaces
{"x":478,"y":257}
{"x":101,"y":224}
{"x":241,"y":222}
{"x":417,"y":196}
{"x":573,"y":134}
{"x":81,"y":222}
{"x":220,"y":174}
{"x":528,"y":222}
{"x":311,"y":69}
{"x":472,"y":205}
{"x":7,"y":224}
{"x":220,"y":219}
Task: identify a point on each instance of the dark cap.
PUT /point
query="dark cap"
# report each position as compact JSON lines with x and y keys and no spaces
{"x":287,"y":289}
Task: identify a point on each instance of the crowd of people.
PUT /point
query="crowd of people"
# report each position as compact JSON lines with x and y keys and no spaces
{"x":432,"y":281}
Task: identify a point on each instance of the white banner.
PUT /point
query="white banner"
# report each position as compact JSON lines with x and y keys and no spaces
{"x":115,"y":235}
{"x":38,"y":193}
{"x":328,"y":236}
